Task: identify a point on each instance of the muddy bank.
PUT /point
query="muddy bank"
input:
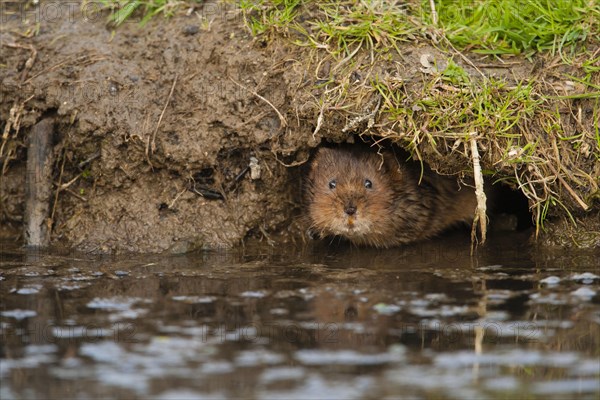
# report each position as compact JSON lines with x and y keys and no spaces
{"x":150,"y":120}
{"x":175,"y":136}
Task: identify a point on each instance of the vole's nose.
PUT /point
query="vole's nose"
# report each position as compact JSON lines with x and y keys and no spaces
{"x":350,"y":209}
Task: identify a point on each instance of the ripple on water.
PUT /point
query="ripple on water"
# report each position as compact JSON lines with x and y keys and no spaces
{"x":252,"y":358}
{"x":18,"y":314}
{"x":178,"y":394}
{"x":315,"y":387}
{"x":551,"y":280}
{"x":115,"y":303}
{"x":584,"y":293}
{"x":509,"y":358}
{"x":567,"y":386}
{"x":585,"y":277}
{"x":195,"y":299}
{"x":28,"y":289}
{"x":271,"y":375}
{"x":254,"y":293}
{"x":346,"y":357}
{"x":217,"y":367}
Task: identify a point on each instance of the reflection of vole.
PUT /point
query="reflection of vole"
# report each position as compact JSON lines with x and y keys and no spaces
{"x":378,"y":201}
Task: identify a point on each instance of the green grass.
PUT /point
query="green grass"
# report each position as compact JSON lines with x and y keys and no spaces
{"x":484,"y":26}
{"x":451,"y":103}
{"x":123,"y":10}
{"x":346,"y":26}
{"x":263,"y":16}
{"x":340,"y":27}
{"x":517,"y":26}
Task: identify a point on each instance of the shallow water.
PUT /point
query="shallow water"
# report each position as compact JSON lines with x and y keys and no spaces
{"x":323,"y":322}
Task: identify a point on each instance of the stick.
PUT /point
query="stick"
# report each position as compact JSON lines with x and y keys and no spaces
{"x":38,"y":184}
{"x":281,"y":117}
{"x":434,"y":14}
{"x":162,"y":114}
{"x":480,"y":211}
{"x":319,"y":120}
{"x":569,"y":188}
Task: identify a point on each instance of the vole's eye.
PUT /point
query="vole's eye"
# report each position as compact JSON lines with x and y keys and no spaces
{"x":368,"y":184}
{"x":332,"y":184}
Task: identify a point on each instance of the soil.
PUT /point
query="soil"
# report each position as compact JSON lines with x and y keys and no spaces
{"x":157,"y":126}
{"x":108,"y":89}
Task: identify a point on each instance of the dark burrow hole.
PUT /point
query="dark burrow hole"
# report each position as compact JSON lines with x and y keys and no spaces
{"x":508,"y":209}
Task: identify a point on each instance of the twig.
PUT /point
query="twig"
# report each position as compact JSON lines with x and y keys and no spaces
{"x":467,"y":60}
{"x":319,"y":120}
{"x":270,"y":241}
{"x":503,"y":65}
{"x":66,"y":185}
{"x":162,"y":114}
{"x":60,"y":176}
{"x":172,"y":203}
{"x":480,"y":211}
{"x":293,"y":164}
{"x":146,"y":141}
{"x":281,"y":117}
{"x":13,"y":122}
{"x":85,"y":57}
{"x":30,"y":60}
{"x":434,"y":14}
{"x":569,"y":189}
{"x":561,"y":179}
{"x":370,"y":116}
{"x":75,"y":194}
{"x":348,"y":58}
{"x":88,"y":160}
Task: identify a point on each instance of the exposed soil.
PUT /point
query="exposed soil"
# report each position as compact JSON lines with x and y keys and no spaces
{"x":156,"y":127}
{"x":107,"y":94}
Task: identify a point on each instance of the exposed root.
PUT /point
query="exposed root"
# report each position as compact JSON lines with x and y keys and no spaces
{"x":369,"y":116}
{"x":30,"y":61}
{"x":171,"y":205}
{"x":434,"y":14}
{"x":481,"y":210}
{"x":281,"y":117}
{"x":14,"y":123}
{"x":152,"y":143}
{"x":319,"y":120}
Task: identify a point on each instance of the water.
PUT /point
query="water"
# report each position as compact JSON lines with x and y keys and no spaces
{"x":426,"y":321}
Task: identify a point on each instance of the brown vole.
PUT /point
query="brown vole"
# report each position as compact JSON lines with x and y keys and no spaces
{"x":377,"y":200}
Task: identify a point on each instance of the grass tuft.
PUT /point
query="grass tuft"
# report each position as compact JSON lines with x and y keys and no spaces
{"x":345,"y":26}
{"x":340,"y":27}
{"x":517,"y":26}
{"x":263,"y":16}
{"x":123,"y":10}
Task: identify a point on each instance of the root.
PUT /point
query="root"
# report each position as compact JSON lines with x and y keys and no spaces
{"x":281,"y":117}
{"x":162,"y":114}
{"x":480,"y":212}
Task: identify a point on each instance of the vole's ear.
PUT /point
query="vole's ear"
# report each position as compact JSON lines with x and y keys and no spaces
{"x":318,"y":158}
{"x":393,"y":165}
{"x":324,"y":151}
{"x":323,"y":155}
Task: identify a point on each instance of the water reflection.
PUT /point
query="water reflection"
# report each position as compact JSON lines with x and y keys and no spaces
{"x":319,"y":322}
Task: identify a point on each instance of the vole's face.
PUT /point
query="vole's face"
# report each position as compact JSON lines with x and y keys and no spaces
{"x":350,"y":194}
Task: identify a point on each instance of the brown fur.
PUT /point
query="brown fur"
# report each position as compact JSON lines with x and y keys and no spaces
{"x":395,"y":210}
